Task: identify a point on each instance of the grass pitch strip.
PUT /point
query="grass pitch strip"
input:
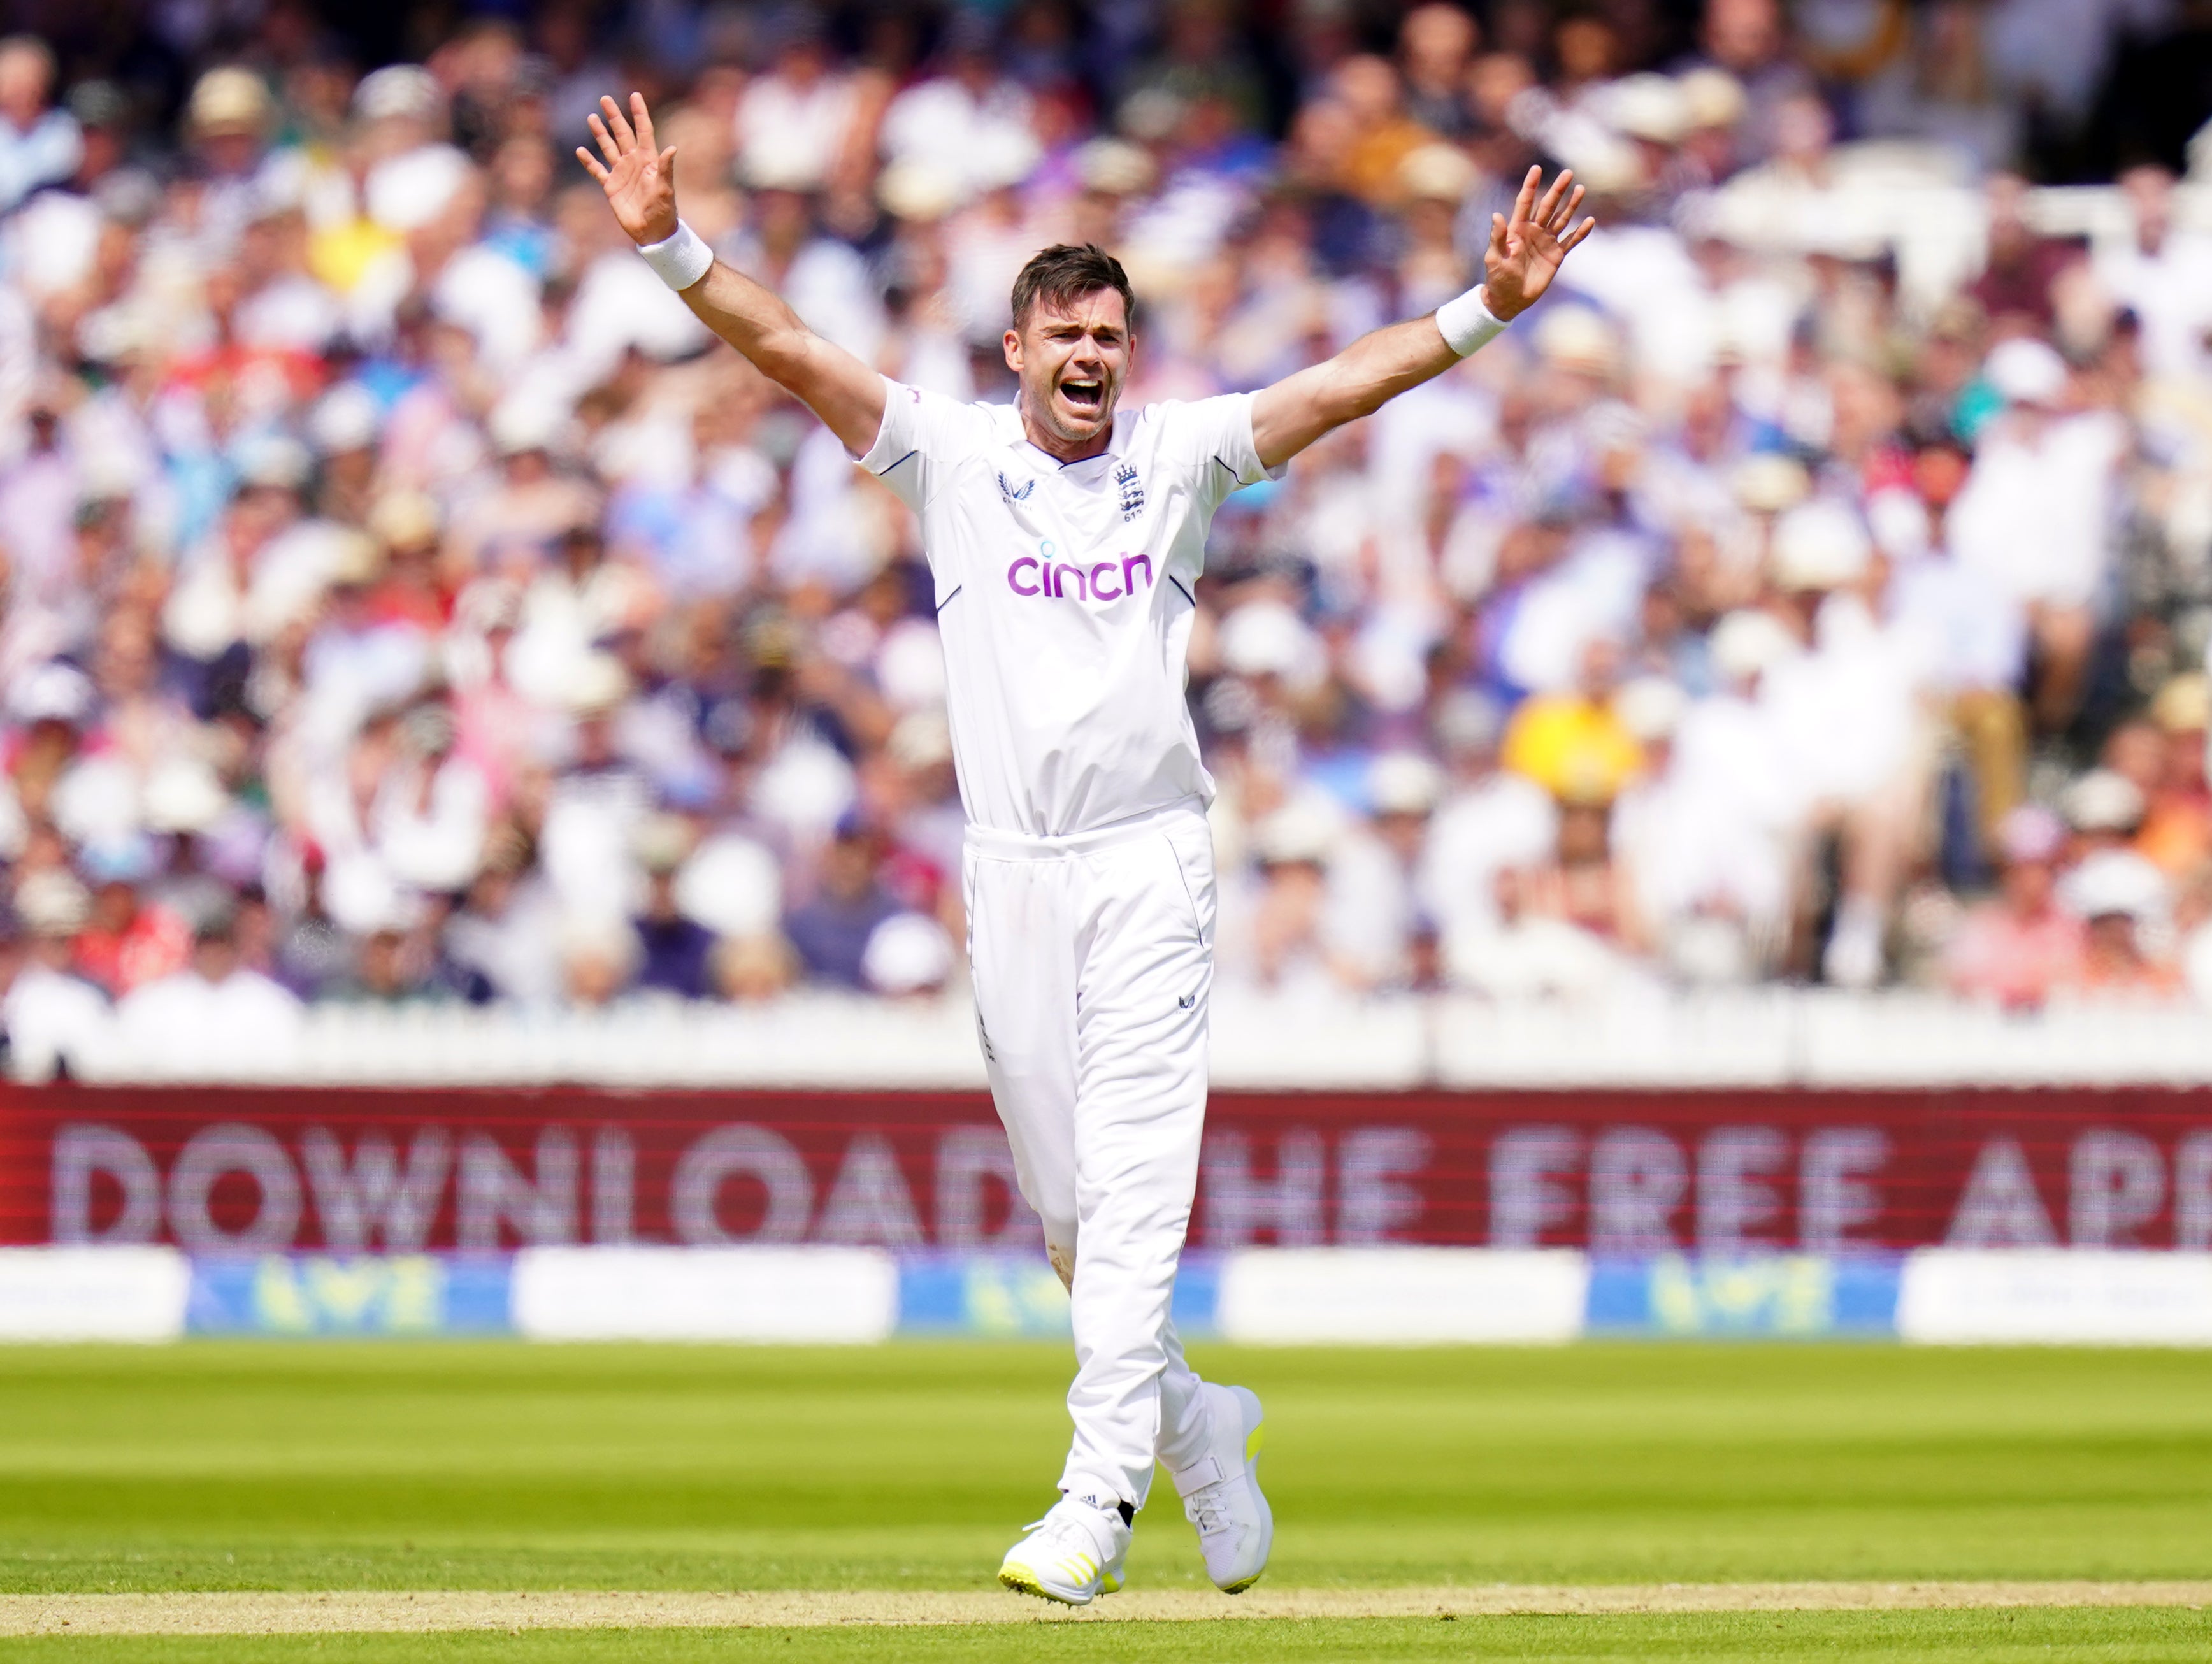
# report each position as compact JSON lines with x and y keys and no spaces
{"x":2138,"y":1636}
{"x":505,"y":1467}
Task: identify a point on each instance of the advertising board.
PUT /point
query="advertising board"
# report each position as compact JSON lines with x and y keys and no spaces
{"x":1627,"y":1175}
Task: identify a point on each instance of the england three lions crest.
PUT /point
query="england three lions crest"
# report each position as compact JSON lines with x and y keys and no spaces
{"x":1133,"y":490}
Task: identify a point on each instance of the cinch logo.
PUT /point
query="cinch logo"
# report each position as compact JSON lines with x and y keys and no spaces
{"x":1108,"y":580}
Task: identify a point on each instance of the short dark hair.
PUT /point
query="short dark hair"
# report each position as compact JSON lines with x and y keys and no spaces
{"x":1065,"y":273}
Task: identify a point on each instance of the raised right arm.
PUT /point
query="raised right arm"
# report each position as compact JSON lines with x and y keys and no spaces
{"x":640,"y":185}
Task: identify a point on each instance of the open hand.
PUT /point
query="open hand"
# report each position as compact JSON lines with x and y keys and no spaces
{"x":1524,"y":251}
{"x":639,"y":181}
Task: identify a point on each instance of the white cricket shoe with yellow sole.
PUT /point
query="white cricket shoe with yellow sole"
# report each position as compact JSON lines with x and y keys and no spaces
{"x":1072,"y":1555}
{"x":1221,"y":1493}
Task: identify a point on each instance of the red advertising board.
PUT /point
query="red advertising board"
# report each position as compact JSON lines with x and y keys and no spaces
{"x":226,"y":1169}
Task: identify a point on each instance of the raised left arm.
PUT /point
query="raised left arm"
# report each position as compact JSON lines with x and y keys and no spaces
{"x":1523,"y":257}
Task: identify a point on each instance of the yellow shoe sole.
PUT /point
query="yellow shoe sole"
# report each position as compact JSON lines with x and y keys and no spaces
{"x":1023,"y":1581}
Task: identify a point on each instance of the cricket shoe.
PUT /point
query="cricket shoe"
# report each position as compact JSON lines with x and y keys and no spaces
{"x":1221,"y":1493}
{"x":1072,"y":1555}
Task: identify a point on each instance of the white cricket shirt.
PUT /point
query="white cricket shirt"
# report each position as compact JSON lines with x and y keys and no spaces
{"x":1065,"y":594}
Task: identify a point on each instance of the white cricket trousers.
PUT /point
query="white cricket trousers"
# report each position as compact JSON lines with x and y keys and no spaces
{"x":1093,"y":959}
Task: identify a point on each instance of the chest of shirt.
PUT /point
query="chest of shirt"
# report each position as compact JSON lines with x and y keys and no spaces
{"x":1106,"y":538}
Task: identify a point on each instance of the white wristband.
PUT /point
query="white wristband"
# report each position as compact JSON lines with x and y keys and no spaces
{"x":1466,"y":324}
{"x":679,"y":260}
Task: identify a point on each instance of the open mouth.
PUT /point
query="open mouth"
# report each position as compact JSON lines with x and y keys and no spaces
{"x":1086,"y":394}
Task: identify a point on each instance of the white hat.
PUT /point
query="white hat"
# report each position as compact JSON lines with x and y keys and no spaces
{"x":1002,"y":157}
{"x":920,"y":739}
{"x":1769,"y":482}
{"x":731,"y":885}
{"x":1650,"y":706}
{"x":661,"y":841}
{"x":603,"y":936}
{"x":346,"y":418}
{"x":1747,"y":642}
{"x":2026,"y":371}
{"x":1114,"y":165}
{"x":518,"y":425}
{"x":398,"y":89}
{"x":184,"y":795}
{"x":1468,"y":722}
{"x":1648,"y":106}
{"x":1820,"y":545}
{"x":1302,"y":831}
{"x":51,"y":902}
{"x":1404,"y":783}
{"x":1267,"y":638}
{"x":781,"y":160}
{"x":598,"y":684}
{"x":54,"y":692}
{"x":1437,"y":172}
{"x":918,"y":190}
{"x":1713,"y":98}
{"x":910,"y":666}
{"x":2115,"y":881}
{"x":908,"y":953}
{"x":1576,"y":338}
{"x":2103,"y":800}
{"x":275,"y":460}
{"x":231,"y":100}
{"x":411,"y":189}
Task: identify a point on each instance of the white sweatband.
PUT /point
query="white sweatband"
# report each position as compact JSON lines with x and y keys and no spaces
{"x":1466,"y":324}
{"x":678,"y":260}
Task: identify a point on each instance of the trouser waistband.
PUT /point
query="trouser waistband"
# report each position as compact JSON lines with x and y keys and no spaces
{"x":1024,"y":846}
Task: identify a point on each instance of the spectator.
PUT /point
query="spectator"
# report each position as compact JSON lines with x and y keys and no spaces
{"x":1524,"y":953}
{"x":2014,"y":288}
{"x":390,"y":556}
{"x":56,"y":1020}
{"x":675,"y":953}
{"x":831,"y":931}
{"x":2034,"y":513}
{"x":2122,"y":899}
{"x":2020,"y":947}
{"x":40,"y":145}
{"x":1574,"y":743}
{"x":212,"y":1011}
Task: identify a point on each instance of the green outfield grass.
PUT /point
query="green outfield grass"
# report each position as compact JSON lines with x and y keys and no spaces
{"x":274,"y":1465}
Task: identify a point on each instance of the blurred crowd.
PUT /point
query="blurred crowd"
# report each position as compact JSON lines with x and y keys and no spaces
{"x":406,"y":601}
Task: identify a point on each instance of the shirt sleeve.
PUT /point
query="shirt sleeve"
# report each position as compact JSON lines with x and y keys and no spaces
{"x":1215,"y":440}
{"x":922,"y":434}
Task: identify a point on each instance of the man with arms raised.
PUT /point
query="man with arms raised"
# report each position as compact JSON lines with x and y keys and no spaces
{"x":1066,"y":537}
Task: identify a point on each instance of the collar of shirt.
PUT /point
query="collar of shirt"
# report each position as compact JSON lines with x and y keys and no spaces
{"x":1036,"y":456}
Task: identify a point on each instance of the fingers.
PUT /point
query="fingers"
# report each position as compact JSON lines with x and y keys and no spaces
{"x":607,"y":146}
{"x":1525,"y":198}
{"x":1497,"y":236}
{"x":1574,"y":237}
{"x":1548,"y":208}
{"x":668,"y":167}
{"x":616,"y":120}
{"x":591,"y":164}
{"x":1565,"y":216}
{"x":642,"y":119}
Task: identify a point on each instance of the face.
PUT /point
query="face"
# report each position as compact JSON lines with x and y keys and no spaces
{"x":2028,"y":885}
{"x":1073,"y":361}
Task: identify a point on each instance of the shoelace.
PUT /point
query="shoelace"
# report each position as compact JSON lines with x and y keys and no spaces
{"x":1208,"y":1512}
{"x":1064,"y":1532}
